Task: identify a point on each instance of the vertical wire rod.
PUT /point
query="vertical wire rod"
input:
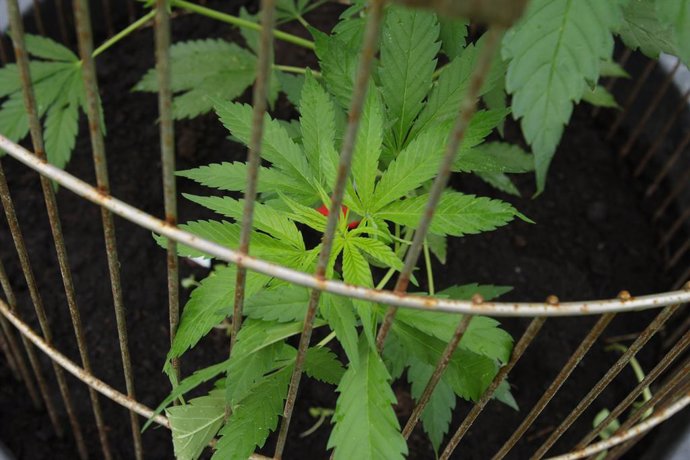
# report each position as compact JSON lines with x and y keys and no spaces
{"x":682,"y":184}
{"x":53,"y":214}
{"x":35,"y":366}
{"x":467,"y":108}
{"x":525,"y":341}
{"x":662,"y":134}
{"x":436,"y":375}
{"x":94,"y":110}
{"x":649,"y":111}
{"x":631,"y":99}
{"x":677,"y":153}
{"x":366,"y":60}
{"x":259,"y":99}
{"x":36,"y":299}
{"x":612,"y":81}
{"x":4,"y":58}
{"x":167,"y":138}
{"x":551,"y":391}
{"x":613,"y":371}
{"x":672,"y":354}
{"x":108,"y":15}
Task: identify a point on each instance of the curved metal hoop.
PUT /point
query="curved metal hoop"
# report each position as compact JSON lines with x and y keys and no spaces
{"x":524,"y":309}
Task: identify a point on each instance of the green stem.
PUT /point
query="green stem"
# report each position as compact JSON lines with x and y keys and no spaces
{"x":429,"y":270}
{"x":239,"y":22}
{"x":293,"y":69}
{"x":386,"y":278}
{"x":124,"y":32}
{"x":326,"y":339}
{"x":639,"y":374}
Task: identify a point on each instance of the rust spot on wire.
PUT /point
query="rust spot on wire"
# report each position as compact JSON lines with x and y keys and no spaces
{"x":624,"y":296}
{"x":552,"y":300}
{"x":477,"y":299}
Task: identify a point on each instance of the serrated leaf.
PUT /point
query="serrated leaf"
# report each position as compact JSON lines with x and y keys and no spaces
{"x":232,"y":177}
{"x":356,"y":271}
{"x":438,"y":245}
{"x":444,"y":99}
{"x":500,"y":181}
{"x":365,"y":424}
{"x":600,"y":97}
{"x":209,"y":304}
{"x":194,"y":425}
{"x":317,"y":124}
{"x":641,"y":29}
{"x":305,"y":215}
{"x":453,"y":34}
{"x":202,"y":71}
{"x":341,"y":319}
{"x":266,"y":219}
{"x":438,"y":413}
{"x":284,"y":303}
{"x":338,"y":62}
{"x":415,"y":165}
{"x":254,"y":418}
{"x":495,"y":157}
{"x":224,"y":233}
{"x":189,"y":383}
{"x":378,"y":250}
{"x":677,"y":14}
{"x":14,"y":124}
{"x":323,"y":365}
{"x":46,"y":48}
{"x":504,"y":395}
{"x":456,"y":214}
{"x":276,"y":147}
{"x":61,"y":127}
{"x":246,"y":369}
{"x":409,"y":45}
{"x":611,"y":68}
{"x":555,"y":50}
{"x":365,"y":161}
{"x":483,"y":336}
{"x":466,"y":291}
{"x":468,"y":373}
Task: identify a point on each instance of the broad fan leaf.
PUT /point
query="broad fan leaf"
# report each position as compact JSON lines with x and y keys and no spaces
{"x":209,"y":303}
{"x":409,"y":46}
{"x":453,"y":34}
{"x":456,"y":214}
{"x":554,"y":52}
{"x":365,"y":162}
{"x":356,"y":271}
{"x":642,"y":29}
{"x":323,"y":365}
{"x":492,"y":157}
{"x":438,"y":413}
{"x":202,"y":71}
{"x":341,"y":319}
{"x":254,"y":418}
{"x":246,"y":369}
{"x":284,"y":303}
{"x":58,"y":91}
{"x":194,"y":424}
{"x":677,"y":14}
{"x":366,"y":427}
{"x":338,"y":62}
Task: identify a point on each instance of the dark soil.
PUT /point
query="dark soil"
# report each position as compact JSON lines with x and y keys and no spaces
{"x":591,"y":239}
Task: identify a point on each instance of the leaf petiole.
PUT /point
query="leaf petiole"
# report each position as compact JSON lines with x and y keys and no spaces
{"x":124,"y":33}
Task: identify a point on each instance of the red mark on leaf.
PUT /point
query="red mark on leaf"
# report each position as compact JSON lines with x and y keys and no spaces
{"x":323,"y":210}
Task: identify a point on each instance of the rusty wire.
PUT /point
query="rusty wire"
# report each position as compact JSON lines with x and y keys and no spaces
{"x":53,"y":213}
{"x":94,"y":109}
{"x":167,"y":137}
{"x":632,"y":97}
{"x":259,"y":100}
{"x":427,"y":303}
{"x":613,"y":371}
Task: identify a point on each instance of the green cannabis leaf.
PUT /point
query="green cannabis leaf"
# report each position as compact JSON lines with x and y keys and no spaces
{"x":677,"y":14}
{"x":554,"y":51}
{"x":194,"y":425}
{"x":59,"y":94}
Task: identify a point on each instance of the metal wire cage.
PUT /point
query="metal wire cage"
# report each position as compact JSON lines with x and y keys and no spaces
{"x":672,"y":370}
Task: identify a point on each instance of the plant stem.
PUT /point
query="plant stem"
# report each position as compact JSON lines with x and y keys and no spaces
{"x":293,"y":69}
{"x":239,"y":22}
{"x":124,"y":32}
{"x":386,"y":278}
{"x":429,"y":270}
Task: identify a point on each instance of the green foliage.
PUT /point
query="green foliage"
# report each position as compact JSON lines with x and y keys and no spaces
{"x":365,"y":425}
{"x":641,"y":28}
{"x":554,"y":52}
{"x":194,"y":425}
{"x":677,"y":14}
{"x":59,"y":93}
